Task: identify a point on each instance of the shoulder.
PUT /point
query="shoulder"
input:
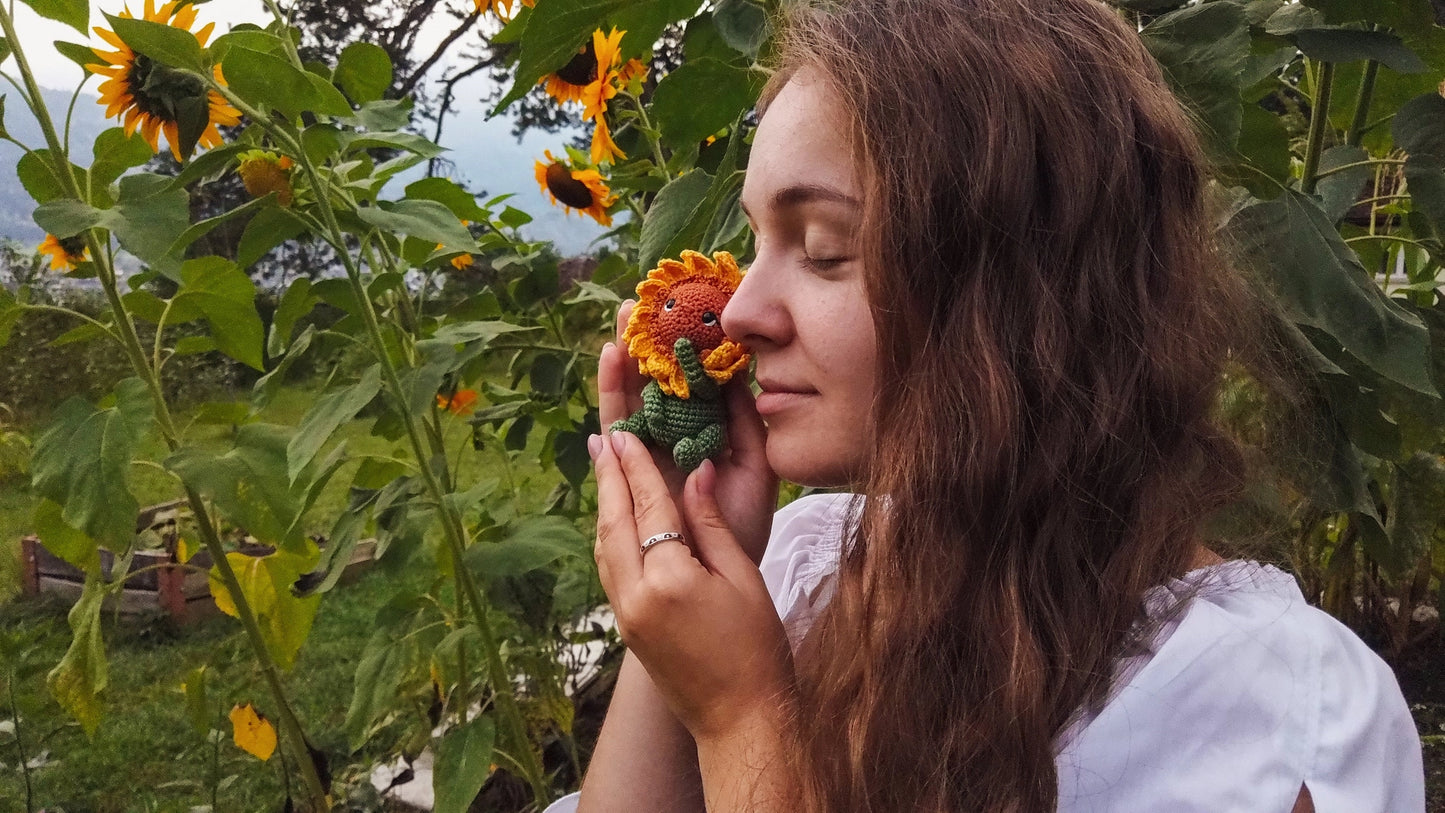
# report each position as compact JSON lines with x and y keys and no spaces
{"x":802,"y":555}
{"x":1248,"y":693}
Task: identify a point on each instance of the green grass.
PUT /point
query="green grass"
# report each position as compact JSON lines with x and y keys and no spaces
{"x":145,"y":755}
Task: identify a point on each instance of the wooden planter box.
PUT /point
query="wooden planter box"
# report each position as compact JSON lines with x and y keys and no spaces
{"x":181,"y":592}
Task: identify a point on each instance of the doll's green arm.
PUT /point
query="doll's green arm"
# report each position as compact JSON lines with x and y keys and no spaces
{"x":699,"y":383}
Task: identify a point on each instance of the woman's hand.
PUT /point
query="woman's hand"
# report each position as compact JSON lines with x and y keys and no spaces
{"x":747,"y":488}
{"x":696,"y":613}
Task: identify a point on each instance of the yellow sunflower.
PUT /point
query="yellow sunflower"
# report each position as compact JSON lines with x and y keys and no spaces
{"x":569,"y":82}
{"x":461,"y":262}
{"x":264,"y":172}
{"x":65,"y":254}
{"x":158,"y":99}
{"x":685,"y":299}
{"x":607,"y":49}
{"x":580,"y":189}
{"x":502,"y":7}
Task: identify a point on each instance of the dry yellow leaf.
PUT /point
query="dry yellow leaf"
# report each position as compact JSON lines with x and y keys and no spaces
{"x":253,"y":733}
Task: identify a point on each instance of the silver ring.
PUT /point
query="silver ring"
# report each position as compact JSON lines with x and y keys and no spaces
{"x":657,"y":539}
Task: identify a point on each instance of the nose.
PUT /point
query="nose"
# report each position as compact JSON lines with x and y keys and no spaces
{"x":757,"y":314}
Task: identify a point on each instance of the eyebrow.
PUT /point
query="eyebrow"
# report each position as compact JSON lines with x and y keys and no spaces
{"x":799,"y":194}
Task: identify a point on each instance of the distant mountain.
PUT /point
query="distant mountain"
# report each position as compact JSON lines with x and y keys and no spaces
{"x":486,"y":155}
{"x":15,"y":203}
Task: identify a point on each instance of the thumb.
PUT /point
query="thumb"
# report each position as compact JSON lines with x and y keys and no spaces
{"x":712,"y":538}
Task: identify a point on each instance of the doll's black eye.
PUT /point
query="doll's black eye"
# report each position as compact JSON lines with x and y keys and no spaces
{"x":709,"y":318}
{"x":669,"y":304}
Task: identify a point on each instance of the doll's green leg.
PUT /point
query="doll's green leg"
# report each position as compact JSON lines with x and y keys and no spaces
{"x":691,"y":451}
{"x":636,"y":423}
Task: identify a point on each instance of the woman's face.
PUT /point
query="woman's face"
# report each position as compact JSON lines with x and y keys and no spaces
{"x":801,"y":308}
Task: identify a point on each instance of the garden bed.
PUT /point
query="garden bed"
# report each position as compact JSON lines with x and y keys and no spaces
{"x":156,"y":582}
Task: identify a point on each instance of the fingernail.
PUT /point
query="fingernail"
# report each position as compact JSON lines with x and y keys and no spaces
{"x":594,"y":446}
{"x":706,"y":477}
{"x":619,"y":442}
{"x":609,"y":347}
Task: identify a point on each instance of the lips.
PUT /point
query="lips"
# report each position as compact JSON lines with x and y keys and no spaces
{"x":778,"y":396}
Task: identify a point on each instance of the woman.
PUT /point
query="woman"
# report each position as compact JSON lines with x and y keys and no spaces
{"x":984,"y":298}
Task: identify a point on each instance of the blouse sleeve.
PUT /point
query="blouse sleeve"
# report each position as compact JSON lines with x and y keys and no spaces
{"x":1252,"y":695}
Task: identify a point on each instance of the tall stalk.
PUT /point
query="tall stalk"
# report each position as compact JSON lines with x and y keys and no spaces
{"x":1319,"y":124}
{"x":125,"y":331}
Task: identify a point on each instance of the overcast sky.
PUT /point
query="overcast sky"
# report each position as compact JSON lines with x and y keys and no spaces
{"x":486,"y":155}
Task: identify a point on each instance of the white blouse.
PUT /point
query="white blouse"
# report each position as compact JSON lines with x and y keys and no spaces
{"x":1248,"y":693}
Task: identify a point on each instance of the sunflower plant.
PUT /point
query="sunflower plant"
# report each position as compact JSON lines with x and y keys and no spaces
{"x":324,"y":156}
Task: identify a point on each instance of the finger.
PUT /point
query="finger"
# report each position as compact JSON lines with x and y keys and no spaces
{"x":652,"y":504}
{"x":712,"y":538}
{"x":632,"y":379}
{"x":611,"y":383}
{"x":747,"y":434}
{"x":619,"y":562}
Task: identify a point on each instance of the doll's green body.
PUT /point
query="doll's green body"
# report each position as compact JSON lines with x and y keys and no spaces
{"x":691,"y":427}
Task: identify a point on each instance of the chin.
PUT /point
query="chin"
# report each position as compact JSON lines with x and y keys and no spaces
{"x":807,"y":465}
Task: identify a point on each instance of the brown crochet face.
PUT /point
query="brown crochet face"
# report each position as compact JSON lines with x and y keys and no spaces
{"x":692,"y":310}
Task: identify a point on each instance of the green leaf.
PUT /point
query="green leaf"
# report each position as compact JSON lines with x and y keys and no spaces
{"x":295,"y":304}
{"x":227,"y":297}
{"x":1321,"y":285}
{"x":248,"y":483}
{"x":1343,"y":45}
{"x":364,"y":71}
{"x":163,"y":43}
{"x":74,"y":13}
{"x":270,"y":81}
{"x":374,"y":689}
{"x":461,"y":202}
{"x":268,"y":385}
{"x":81,"y":55}
{"x":63,"y":540}
{"x":464,"y":754}
{"x":270,"y":228}
{"x":83,"y":463}
{"x":535,"y":543}
{"x":199,"y":710}
{"x":201,"y":228}
{"x":425,"y":219}
{"x":265,"y":582}
{"x":80,"y":677}
{"x":742,"y":24}
{"x":1339,"y":191}
{"x":325,"y":417}
{"x":1204,"y":50}
{"x":555,"y":30}
{"x":644,"y":23}
{"x":411,"y":142}
{"x":115,"y":152}
{"x":38,"y":178}
{"x":700,"y":98}
{"x":147,"y":219}
{"x":1418,"y":505}
{"x":5,"y":52}
{"x":670,"y":213}
{"x":1419,"y":129}
{"x":68,"y":217}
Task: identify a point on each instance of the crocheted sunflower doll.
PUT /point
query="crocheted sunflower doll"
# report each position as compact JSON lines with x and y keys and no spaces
{"x":675,"y":333}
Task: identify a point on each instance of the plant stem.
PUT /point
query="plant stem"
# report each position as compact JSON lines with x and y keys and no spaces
{"x":1319,"y":123}
{"x":647,"y":131}
{"x":1356,"y":133}
{"x":20,"y":746}
{"x":1325,"y":173}
{"x":453,"y":530}
{"x":131,"y":342}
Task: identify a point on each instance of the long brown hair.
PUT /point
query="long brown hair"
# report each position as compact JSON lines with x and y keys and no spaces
{"x":1051,"y":319}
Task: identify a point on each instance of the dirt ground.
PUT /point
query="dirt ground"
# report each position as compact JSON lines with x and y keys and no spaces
{"x":1422,"y":678}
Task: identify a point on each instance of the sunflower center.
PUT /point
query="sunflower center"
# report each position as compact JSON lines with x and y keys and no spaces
{"x":582,"y":69}
{"x":163,"y":92}
{"x":694,"y":314}
{"x":74,"y":246}
{"x":566,"y":188}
